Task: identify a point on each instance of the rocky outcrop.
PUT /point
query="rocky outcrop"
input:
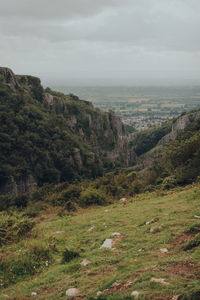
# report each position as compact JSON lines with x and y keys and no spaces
{"x":181,"y":123}
{"x":9,"y":78}
{"x":23,"y":186}
{"x":85,"y":140}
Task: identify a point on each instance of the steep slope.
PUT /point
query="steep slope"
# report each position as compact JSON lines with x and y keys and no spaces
{"x":155,"y":251}
{"x":47,"y":136}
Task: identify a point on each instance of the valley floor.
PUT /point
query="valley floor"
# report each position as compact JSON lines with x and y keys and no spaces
{"x":159,"y":260}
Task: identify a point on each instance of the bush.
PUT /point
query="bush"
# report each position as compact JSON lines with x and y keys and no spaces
{"x":14,"y":269}
{"x":13,"y":226}
{"x":92,"y":197}
{"x":169,"y":183}
{"x":68,"y":255}
{"x":68,"y":198}
{"x":6,"y":201}
{"x":194,"y":228}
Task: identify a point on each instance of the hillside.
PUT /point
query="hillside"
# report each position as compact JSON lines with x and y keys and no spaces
{"x":49,"y":137}
{"x":155,"y":241}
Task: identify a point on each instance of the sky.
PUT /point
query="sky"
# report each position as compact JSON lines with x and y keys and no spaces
{"x":102,"y":42}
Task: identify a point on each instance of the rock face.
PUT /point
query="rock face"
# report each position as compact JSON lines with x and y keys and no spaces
{"x":96,"y":140}
{"x":23,"y":186}
{"x":9,"y":77}
{"x":181,"y":123}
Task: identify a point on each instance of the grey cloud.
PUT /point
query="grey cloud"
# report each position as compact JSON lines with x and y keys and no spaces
{"x":132,"y":39}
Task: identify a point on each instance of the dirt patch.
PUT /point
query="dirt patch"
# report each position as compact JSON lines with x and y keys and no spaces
{"x":118,"y":287}
{"x":184,"y":269}
{"x":182,"y":239}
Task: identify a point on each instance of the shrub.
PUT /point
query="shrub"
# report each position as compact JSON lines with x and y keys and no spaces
{"x":68,"y":255}
{"x":6,"y":201}
{"x":13,"y":226}
{"x":92,"y":197}
{"x":14,"y":269}
{"x":194,"y":228}
{"x":169,"y":182}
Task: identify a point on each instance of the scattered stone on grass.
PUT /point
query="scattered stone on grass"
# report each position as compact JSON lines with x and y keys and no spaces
{"x":115,"y":234}
{"x":59,"y":232}
{"x":159,"y":280}
{"x":135,"y":294}
{"x":33,"y":294}
{"x":91,"y":228}
{"x":108,"y":243}
{"x":197,"y":217}
{"x":72,"y":292}
{"x":99,"y":293}
{"x":85,"y":262}
{"x":164,"y":250}
{"x":123,"y":200}
{"x":176,"y":297}
{"x":155,"y":229}
{"x":106,"y":210}
{"x":152,"y":221}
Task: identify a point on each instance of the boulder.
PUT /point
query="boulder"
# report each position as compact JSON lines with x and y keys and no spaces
{"x":72,"y":292}
{"x":108,"y":243}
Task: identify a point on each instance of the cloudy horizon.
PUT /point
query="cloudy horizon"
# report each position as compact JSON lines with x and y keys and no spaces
{"x":107,"y":42}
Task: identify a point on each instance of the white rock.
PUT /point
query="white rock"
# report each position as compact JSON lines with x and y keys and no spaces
{"x":115,"y":234}
{"x":122,"y":200}
{"x":85,"y":262}
{"x":91,"y":228}
{"x":72,"y":292}
{"x":159,"y":280}
{"x":151,"y":221}
{"x":197,"y":217}
{"x":107,"y":244}
{"x":106,"y":210}
{"x":175,"y":297}
{"x":164,"y":250}
{"x":99,"y":293}
{"x":135,"y":294}
{"x":59,"y":232}
{"x":33,"y":294}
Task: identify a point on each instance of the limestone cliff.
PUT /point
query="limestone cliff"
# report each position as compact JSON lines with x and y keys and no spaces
{"x":51,"y":137}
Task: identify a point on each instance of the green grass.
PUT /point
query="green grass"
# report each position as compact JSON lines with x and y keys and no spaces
{"x":134,"y":261}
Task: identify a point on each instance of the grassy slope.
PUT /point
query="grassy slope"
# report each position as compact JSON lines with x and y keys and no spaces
{"x":180,"y":268}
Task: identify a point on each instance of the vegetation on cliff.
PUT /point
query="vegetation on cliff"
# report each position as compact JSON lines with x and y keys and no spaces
{"x":53,"y":137}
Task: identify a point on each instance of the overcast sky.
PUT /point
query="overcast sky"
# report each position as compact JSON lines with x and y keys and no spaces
{"x":102,"y":42}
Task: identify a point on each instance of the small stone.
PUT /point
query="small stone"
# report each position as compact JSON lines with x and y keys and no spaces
{"x":106,"y":210}
{"x":141,"y":249}
{"x":59,"y":232}
{"x":152,"y":221}
{"x":176,"y":297}
{"x":197,"y":217}
{"x":107,"y":244}
{"x":91,"y":228}
{"x":159,"y":280}
{"x":123,"y":200}
{"x":33,"y":294}
{"x":99,"y":293}
{"x":135,"y":294}
{"x":72,"y":292}
{"x":156,"y":228}
{"x":164,"y":250}
{"x":85,"y":262}
{"x":115,"y":234}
